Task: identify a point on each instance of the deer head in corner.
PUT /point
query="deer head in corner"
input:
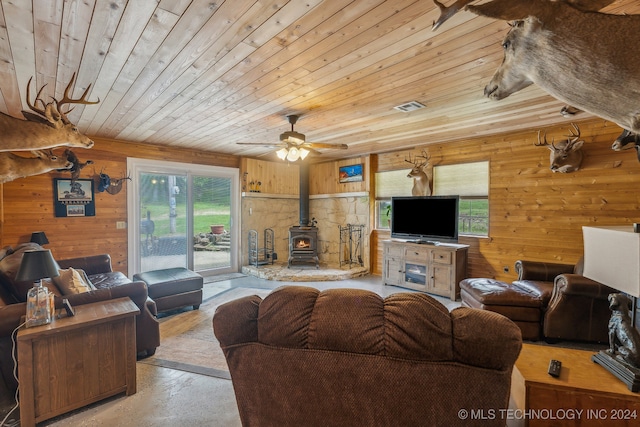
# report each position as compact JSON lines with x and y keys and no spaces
{"x":48,"y":128}
{"x":421,"y":182}
{"x":567,"y":155}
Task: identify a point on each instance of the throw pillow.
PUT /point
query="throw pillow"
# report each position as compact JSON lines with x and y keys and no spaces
{"x":72,"y":281}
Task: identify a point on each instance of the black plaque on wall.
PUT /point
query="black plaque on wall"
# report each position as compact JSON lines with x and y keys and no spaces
{"x":73,"y":197}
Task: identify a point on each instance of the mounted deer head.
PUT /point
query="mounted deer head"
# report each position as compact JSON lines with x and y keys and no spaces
{"x":13,"y":166}
{"x":421,"y":182}
{"x":567,"y":156}
{"x":48,"y":128}
{"x":571,"y":51}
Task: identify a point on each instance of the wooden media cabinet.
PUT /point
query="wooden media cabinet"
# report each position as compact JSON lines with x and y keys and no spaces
{"x":436,"y":269}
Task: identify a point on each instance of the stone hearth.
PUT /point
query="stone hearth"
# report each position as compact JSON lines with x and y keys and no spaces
{"x":308,"y":273}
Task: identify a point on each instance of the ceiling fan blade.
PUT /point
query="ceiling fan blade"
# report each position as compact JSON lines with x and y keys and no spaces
{"x":326,"y":145}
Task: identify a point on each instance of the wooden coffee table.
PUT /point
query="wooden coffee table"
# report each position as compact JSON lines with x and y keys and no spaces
{"x":75,"y":361}
{"x":585,"y":394}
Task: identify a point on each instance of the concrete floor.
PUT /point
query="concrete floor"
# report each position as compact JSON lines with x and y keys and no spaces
{"x":168,"y":397}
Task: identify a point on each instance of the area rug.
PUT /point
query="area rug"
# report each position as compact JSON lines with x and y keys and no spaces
{"x":187,"y":342}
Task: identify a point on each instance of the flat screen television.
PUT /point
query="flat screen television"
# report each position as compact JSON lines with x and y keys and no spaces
{"x":431,"y":219}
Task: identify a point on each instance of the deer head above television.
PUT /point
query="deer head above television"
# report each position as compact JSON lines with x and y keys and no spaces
{"x":48,"y":128}
{"x":567,"y":155}
{"x":571,"y":51}
{"x":421,"y":181}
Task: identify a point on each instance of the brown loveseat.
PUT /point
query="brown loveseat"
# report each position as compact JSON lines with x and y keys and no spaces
{"x":549,"y":300}
{"x":109,"y":284}
{"x":347,"y":357}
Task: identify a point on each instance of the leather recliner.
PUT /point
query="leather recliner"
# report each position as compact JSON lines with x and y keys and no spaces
{"x":574,"y":307}
{"x":548,"y":300}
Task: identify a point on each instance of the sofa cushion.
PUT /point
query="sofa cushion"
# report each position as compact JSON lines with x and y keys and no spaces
{"x":108,"y":279}
{"x":72,"y":281}
{"x":538,"y":288}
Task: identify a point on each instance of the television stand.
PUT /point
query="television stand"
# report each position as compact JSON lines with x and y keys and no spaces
{"x":425,"y":266}
{"x":425,"y":242}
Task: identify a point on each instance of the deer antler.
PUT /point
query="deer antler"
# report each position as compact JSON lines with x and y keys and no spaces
{"x":35,"y":101}
{"x":68,"y":100}
{"x":575,"y":135}
{"x":448,"y":12}
{"x":545,"y":142}
{"x":47,"y":114}
{"x":426,"y":156}
{"x":415,"y":161}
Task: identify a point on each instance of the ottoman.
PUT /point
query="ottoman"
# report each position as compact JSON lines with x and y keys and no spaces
{"x":523,"y":307}
{"x":173,"y":288}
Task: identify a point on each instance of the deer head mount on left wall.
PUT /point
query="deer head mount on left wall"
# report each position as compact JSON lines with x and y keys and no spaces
{"x":48,"y":128}
{"x":13,"y":166}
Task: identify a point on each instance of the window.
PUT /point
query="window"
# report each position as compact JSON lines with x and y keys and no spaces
{"x":471,"y":182}
{"x":468,"y":180}
{"x":389,"y":184}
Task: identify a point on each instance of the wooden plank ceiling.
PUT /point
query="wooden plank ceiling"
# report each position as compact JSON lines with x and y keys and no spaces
{"x":205,"y":75}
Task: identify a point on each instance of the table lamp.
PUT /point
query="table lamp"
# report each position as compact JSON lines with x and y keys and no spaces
{"x":612,"y":257}
{"x":35,"y":266}
{"x":39,"y":237}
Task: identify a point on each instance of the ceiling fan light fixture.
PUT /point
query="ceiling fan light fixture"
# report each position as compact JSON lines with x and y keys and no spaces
{"x":282,"y":153}
{"x":292,"y":137}
{"x":294,"y":154}
{"x":303,"y":153}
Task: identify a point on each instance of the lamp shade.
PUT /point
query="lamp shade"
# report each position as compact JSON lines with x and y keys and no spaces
{"x":37,"y":265}
{"x":39,"y":237}
{"x":612,"y":257}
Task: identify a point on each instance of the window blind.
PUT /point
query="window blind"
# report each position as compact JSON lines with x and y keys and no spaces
{"x":466,"y":179}
{"x":393,"y":183}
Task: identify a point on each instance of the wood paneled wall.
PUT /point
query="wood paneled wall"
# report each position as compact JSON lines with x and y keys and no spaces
{"x":274,"y":177}
{"x":324,"y":177}
{"x":27,"y":203}
{"x":536,"y":214}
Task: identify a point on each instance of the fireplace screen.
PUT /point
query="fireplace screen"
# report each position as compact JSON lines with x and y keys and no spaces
{"x":302,"y":243}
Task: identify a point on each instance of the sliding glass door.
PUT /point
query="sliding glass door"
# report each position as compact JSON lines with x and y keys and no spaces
{"x":212,"y":222}
{"x":163,"y":225}
{"x":181,"y":215}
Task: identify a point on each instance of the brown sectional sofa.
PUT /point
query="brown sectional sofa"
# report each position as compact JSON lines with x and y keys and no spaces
{"x":109,"y":284}
{"x":347,"y":357}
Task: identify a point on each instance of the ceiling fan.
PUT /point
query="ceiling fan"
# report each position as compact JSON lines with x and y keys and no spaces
{"x":294,"y":144}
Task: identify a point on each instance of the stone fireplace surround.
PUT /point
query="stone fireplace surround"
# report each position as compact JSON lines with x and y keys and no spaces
{"x":280,"y":212}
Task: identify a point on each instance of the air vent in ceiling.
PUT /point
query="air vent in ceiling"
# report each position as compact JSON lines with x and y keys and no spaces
{"x":409,"y":106}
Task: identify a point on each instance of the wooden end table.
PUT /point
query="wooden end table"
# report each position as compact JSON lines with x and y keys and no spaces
{"x":75,"y":361}
{"x":585,"y":394}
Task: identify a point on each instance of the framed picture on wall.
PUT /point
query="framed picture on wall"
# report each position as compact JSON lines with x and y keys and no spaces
{"x":351,"y":173}
{"x":73,"y":197}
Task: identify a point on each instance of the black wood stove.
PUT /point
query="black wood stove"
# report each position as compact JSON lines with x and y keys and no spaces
{"x":303,"y":245}
{"x":303,"y":239}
